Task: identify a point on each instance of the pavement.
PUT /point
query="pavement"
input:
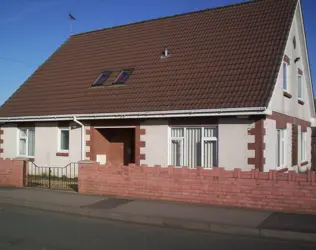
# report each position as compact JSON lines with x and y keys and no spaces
{"x":236,"y":221}
{"x":31,"y":229}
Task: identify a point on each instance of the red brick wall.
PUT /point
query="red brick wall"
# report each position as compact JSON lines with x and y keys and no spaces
{"x":253,"y":189}
{"x":11,"y":173}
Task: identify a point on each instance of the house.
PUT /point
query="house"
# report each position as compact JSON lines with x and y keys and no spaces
{"x":225,"y":87}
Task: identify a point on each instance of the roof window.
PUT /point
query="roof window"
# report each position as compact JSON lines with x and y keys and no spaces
{"x":123,"y":76}
{"x":102,"y":78}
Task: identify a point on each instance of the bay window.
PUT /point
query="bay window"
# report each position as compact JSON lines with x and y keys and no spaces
{"x":193,"y":146}
{"x":27,"y":142}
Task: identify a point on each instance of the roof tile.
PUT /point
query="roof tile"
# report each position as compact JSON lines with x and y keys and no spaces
{"x":219,"y":58}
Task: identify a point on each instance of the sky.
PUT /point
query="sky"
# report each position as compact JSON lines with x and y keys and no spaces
{"x":31,"y":30}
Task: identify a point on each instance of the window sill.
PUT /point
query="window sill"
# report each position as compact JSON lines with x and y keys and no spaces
{"x":29,"y":158}
{"x":282,"y":170}
{"x":64,"y":154}
{"x":300,"y":102}
{"x":304,"y":163}
{"x":287,"y":94}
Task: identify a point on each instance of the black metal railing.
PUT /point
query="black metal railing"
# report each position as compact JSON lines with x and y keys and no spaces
{"x":63,"y":178}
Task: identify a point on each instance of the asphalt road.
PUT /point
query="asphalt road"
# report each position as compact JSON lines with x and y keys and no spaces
{"x":23,"y":228}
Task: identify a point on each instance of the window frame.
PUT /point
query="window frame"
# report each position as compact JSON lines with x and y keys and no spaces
{"x":26,"y":138}
{"x":129,"y":71}
{"x":102,"y":84}
{"x":279,"y":146}
{"x":59,"y":149}
{"x":299,"y":86}
{"x":303,"y":146}
{"x":285,"y":82}
{"x":204,"y":139}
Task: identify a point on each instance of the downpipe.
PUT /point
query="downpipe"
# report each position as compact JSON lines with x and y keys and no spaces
{"x":82,"y":137}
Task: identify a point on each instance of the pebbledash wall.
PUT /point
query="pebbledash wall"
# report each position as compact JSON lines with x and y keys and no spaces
{"x":242,"y":143}
{"x":152,"y":139}
{"x":46,"y":144}
{"x":291,"y":191}
{"x":288,"y":110}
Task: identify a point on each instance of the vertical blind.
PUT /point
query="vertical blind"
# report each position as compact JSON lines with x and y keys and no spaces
{"x":194,"y":146}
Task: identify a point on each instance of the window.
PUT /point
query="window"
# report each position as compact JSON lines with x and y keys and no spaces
{"x":193,"y":146}
{"x":123,"y":76}
{"x":299,"y":86}
{"x":303,"y":146}
{"x":27,"y":142}
{"x":294,"y":42}
{"x":63,"y":140}
{"x":285,"y":83}
{"x":281,"y":147}
{"x":102,"y":78}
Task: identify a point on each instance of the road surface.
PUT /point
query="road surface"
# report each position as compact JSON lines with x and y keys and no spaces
{"x":23,"y":228}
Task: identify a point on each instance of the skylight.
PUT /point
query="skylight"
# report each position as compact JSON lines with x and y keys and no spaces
{"x":102,"y":78}
{"x":123,"y":76}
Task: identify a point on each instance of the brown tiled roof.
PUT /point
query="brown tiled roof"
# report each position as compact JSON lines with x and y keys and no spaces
{"x":226,"y":57}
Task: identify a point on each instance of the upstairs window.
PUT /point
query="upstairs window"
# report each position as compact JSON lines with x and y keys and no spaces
{"x":299,"y":86}
{"x":102,"y":78}
{"x":123,"y":76}
{"x":285,"y":82}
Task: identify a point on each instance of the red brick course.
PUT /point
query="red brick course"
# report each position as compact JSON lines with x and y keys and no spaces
{"x":1,"y":140}
{"x":62,"y":154}
{"x":282,"y":120}
{"x":290,"y":192}
{"x":12,"y":172}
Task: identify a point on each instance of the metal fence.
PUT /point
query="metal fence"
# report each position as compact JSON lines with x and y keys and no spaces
{"x":63,"y":178}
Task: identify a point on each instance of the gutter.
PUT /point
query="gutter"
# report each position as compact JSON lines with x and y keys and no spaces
{"x":139,"y":115}
{"x":82,"y":138}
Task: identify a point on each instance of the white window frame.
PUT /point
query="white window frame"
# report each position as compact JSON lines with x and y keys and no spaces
{"x":181,"y":139}
{"x":59,"y":150}
{"x":284,"y":153}
{"x":286,"y":78}
{"x":26,"y":138}
{"x":300,"y":86}
{"x":184,"y":143}
{"x":303,"y":148}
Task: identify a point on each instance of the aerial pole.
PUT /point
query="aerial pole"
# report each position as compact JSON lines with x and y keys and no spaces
{"x":71,"y":19}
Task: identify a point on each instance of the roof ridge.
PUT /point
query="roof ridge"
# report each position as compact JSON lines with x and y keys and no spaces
{"x":167,"y":17}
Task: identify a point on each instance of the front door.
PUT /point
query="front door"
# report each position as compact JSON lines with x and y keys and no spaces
{"x":121,"y":145}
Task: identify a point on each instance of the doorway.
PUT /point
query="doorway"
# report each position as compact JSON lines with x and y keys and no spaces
{"x":118,"y":144}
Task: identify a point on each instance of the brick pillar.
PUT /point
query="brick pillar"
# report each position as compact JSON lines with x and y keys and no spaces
{"x":1,"y":142}
{"x":258,"y":146}
{"x":139,"y":144}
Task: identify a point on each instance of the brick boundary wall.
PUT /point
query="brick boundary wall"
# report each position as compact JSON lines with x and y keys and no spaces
{"x":12,"y":172}
{"x":274,"y":191}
